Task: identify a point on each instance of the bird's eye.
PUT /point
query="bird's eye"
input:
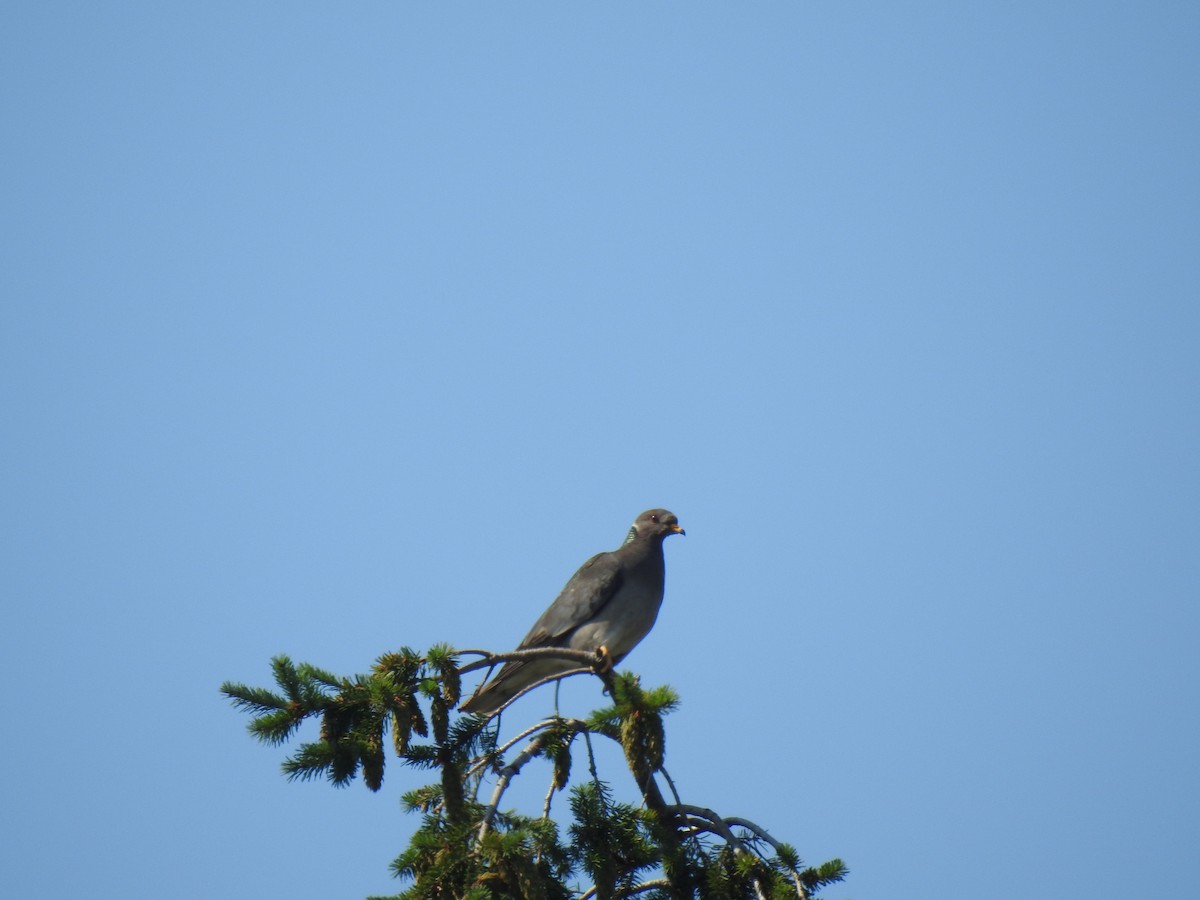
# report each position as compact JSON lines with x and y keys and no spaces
{"x":654,"y":519}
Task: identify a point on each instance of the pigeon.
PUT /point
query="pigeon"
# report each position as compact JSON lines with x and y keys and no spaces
{"x":607,"y":607}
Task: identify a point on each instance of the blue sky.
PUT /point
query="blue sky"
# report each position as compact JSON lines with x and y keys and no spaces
{"x":327,"y":330}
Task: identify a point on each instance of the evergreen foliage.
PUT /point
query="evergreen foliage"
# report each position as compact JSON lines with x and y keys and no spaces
{"x":466,"y":847}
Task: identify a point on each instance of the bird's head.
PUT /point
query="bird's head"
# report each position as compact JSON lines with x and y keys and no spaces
{"x":655,"y":523}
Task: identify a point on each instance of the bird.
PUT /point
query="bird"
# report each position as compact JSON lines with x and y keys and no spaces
{"x":606,"y":608}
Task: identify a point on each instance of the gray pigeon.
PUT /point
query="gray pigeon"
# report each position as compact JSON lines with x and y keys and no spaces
{"x":608,"y":606}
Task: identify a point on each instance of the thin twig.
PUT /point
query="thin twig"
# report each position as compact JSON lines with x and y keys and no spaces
{"x":549,"y":797}
{"x":646,"y":886}
{"x":636,"y":889}
{"x":587,"y":736}
{"x":583,"y":657}
{"x":715,"y":824}
{"x":720,"y":826}
{"x":506,"y":775}
{"x":537,"y":684}
{"x":534,"y":748}
{"x":671,"y":784}
{"x":761,"y":832}
{"x":528,"y":732}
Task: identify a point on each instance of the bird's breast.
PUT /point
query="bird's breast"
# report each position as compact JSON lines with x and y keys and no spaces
{"x":621,"y":625}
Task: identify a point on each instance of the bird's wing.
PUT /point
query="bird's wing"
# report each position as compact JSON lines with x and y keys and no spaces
{"x":588,"y":591}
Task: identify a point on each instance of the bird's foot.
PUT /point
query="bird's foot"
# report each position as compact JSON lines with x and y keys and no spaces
{"x":604,"y":660}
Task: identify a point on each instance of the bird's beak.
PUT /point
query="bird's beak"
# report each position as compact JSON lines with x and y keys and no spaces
{"x":678,"y":530}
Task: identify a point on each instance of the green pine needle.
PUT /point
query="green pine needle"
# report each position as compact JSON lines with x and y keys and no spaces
{"x":253,"y":700}
{"x":275,"y":727}
{"x":309,"y":762}
{"x":455,"y":853}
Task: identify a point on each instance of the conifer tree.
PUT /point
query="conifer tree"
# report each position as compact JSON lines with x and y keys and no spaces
{"x":466,"y":845}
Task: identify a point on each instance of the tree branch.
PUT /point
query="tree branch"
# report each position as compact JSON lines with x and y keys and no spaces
{"x":549,"y":679}
{"x":506,"y":775}
{"x":533,"y":749}
{"x":671,"y":785}
{"x":646,"y":886}
{"x":761,"y":832}
{"x":358,"y":712}
{"x":583,"y":657}
{"x":720,"y":826}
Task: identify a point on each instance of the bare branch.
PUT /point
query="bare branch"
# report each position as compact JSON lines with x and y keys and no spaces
{"x":587,"y":737}
{"x":583,"y":657}
{"x":636,"y":889}
{"x":646,"y":886}
{"x":506,"y":775}
{"x":480,"y":761}
{"x":671,"y":784}
{"x":714,"y":823}
{"x":549,"y":798}
{"x":761,"y":832}
{"x":533,"y":687}
{"x":720,"y":826}
{"x":532,"y":749}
